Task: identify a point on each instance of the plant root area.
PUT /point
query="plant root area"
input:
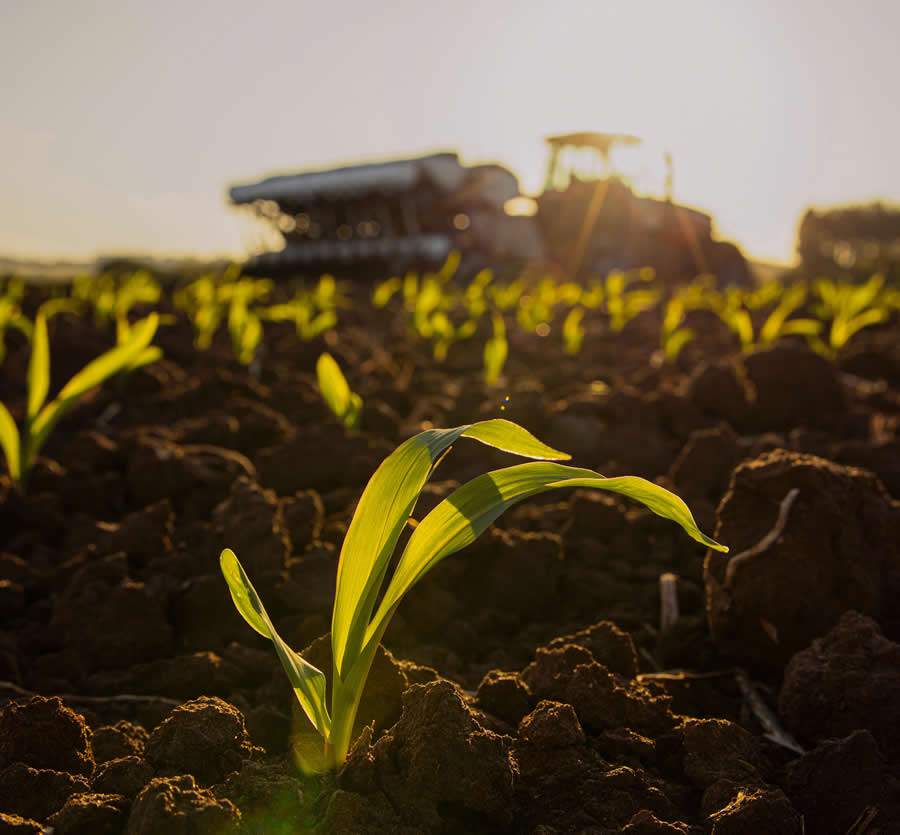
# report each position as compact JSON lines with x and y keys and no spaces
{"x":534,"y":682}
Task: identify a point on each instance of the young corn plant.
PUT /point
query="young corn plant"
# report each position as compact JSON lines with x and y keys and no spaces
{"x":496,"y":350}
{"x":361,"y":614}
{"x":335,"y":390}
{"x":573,"y":331}
{"x":851,"y":308}
{"x":303,"y":311}
{"x":11,"y":316}
{"x":21,"y":448}
{"x":124,"y":332}
{"x":674,"y":336}
{"x":444,"y":334}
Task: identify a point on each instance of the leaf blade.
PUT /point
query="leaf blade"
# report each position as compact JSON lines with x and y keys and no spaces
{"x":10,"y":443}
{"x":333,"y":384}
{"x":38,"y":367}
{"x":467,"y":512}
{"x":92,"y":375}
{"x":385,"y":505}
{"x":307,"y":680}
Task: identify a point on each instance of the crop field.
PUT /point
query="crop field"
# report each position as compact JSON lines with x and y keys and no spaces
{"x":449,"y":554}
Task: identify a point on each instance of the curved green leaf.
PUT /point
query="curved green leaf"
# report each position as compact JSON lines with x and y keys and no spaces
{"x":308,"y":681}
{"x":38,"y":367}
{"x":92,"y":375}
{"x":9,"y":442}
{"x":333,"y":385}
{"x":381,"y":515}
{"x":467,"y":512}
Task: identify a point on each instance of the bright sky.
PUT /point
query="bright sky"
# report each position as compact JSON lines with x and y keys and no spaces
{"x":122,"y":121}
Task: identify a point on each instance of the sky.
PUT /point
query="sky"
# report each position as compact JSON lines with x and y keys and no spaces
{"x":123,"y":121}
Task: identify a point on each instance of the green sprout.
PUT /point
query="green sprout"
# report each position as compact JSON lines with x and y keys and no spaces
{"x":623,"y":304}
{"x":344,"y":403}
{"x":244,"y":322}
{"x":674,"y":337}
{"x":495,"y":352}
{"x":361,"y":614}
{"x":11,"y":316}
{"x":573,"y":330}
{"x":851,"y":308}
{"x":21,"y":448}
{"x":124,"y":333}
{"x":733,"y":311}
{"x":304,"y":311}
{"x":445,"y":334}
{"x":385,"y":290}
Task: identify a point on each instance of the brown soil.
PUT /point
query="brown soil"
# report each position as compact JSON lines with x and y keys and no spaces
{"x":526,"y":685}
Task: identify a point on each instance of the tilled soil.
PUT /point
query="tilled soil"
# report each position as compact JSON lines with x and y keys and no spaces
{"x":527,"y":685}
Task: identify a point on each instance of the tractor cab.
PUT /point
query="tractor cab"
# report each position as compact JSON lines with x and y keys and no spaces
{"x":592,"y":220}
{"x":584,"y":158}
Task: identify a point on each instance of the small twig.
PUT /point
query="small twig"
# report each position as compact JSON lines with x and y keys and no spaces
{"x":765,"y":716}
{"x":684,"y":675}
{"x":74,"y":698}
{"x":861,"y":824}
{"x":767,"y":541}
{"x":668,"y":601}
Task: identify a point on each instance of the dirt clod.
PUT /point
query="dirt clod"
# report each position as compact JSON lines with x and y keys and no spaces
{"x":178,"y":806}
{"x":205,"y":737}
{"x":715,"y":749}
{"x":835,"y":783}
{"x":90,"y":814}
{"x":847,"y":680}
{"x":758,"y":810}
{"x":122,"y":739}
{"x":837,"y":550}
{"x":17,"y":825}
{"x":45,"y":733}
{"x":125,"y":776}
{"x":36,"y":792}
{"x":503,"y":695}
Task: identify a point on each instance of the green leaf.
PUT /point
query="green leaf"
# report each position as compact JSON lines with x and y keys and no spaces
{"x":510,"y":437}
{"x":9,"y":441}
{"x":381,"y":515}
{"x":802,"y":327}
{"x":467,"y":512}
{"x":147,"y":357}
{"x":38,"y":367}
{"x":308,"y":681}
{"x":333,"y":385}
{"x":91,"y":376}
{"x":676,"y":341}
{"x":495,"y":352}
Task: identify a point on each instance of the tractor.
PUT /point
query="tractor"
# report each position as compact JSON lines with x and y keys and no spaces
{"x":376,"y":219}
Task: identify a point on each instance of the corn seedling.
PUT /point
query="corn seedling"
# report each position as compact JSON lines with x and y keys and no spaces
{"x":302,"y":310}
{"x":385,"y":291}
{"x":674,"y":337}
{"x":573,"y":331}
{"x":778,"y":323}
{"x":495,"y":351}
{"x":124,"y":333}
{"x":358,"y":624}
{"x":244,"y":322}
{"x":622,"y":304}
{"x":201,"y":302}
{"x":851,"y":308}
{"x":11,"y":317}
{"x":335,"y":390}
{"x":444,"y":334}
{"x":22,"y":448}
{"x":475,"y":298}
{"x":505,"y":297}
